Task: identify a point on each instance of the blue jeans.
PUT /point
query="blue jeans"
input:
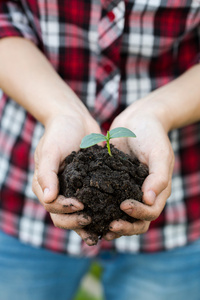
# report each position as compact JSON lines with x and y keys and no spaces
{"x":27,"y":273}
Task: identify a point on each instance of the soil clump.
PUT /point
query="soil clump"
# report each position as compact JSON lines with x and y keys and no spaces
{"x":101,"y":182}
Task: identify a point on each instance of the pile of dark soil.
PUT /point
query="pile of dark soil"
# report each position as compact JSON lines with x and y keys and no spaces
{"x":101,"y":182}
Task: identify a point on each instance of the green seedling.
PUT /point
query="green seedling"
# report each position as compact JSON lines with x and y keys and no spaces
{"x":95,"y":138}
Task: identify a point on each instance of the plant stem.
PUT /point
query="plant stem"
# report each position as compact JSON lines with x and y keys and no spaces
{"x":107,"y":142}
{"x":108,"y":146}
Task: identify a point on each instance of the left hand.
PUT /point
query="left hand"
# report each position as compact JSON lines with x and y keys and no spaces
{"x":152,"y":147}
{"x":63,"y":134}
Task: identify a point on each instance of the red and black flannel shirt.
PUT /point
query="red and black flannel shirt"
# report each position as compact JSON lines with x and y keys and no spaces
{"x":111,"y":53}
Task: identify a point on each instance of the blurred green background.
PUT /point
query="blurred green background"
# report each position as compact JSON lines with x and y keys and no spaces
{"x":90,"y":288}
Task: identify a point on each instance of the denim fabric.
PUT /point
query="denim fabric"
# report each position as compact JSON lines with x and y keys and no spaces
{"x":27,"y":273}
{"x":171,"y":275}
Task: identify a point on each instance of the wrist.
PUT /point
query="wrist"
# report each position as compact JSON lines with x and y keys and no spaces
{"x":156,"y":105}
{"x":151,"y":107}
{"x":64,"y":103}
{"x":175,"y":104}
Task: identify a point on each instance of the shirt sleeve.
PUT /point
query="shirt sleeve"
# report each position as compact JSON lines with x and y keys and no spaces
{"x":14,"y":22}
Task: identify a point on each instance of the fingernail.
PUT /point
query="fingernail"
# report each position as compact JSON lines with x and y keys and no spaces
{"x":46,"y":192}
{"x":74,"y":208}
{"x":91,"y":241}
{"x":83,"y":220}
{"x":77,"y":206}
{"x":71,"y":206}
{"x":151,"y":197}
{"x":128,"y":211}
{"x":74,"y":205}
{"x":110,"y":236}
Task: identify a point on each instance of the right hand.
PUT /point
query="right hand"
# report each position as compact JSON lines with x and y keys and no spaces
{"x":63,"y":134}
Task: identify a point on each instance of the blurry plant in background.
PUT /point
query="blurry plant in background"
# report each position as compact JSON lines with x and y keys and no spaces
{"x":90,"y":288}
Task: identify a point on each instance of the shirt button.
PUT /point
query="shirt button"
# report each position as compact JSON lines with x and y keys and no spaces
{"x":111,"y":16}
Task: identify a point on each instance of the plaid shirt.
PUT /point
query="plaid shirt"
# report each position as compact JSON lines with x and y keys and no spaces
{"x":111,"y":53}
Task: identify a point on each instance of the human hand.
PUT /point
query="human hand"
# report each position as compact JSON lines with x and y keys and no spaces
{"x":152,"y":147}
{"x":62,"y":135}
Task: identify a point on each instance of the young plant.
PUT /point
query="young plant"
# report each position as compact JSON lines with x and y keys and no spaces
{"x":95,"y":138}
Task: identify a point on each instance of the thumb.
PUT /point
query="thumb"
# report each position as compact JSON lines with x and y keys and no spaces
{"x":159,"y":178}
{"x":46,"y":177}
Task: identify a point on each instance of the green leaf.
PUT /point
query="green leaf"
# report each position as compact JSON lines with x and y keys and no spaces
{"x":121,"y":132}
{"x":92,"y":139}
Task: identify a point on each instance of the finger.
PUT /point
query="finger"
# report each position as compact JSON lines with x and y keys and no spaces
{"x":70,"y":221}
{"x":36,"y":187}
{"x":46,"y":170}
{"x":160,"y":172}
{"x":111,"y":236}
{"x":142,"y":211}
{"x":64,"y":205}
{"x":121,"y":227}
{"x":89,"y":238}
{"x":60,"y":204}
